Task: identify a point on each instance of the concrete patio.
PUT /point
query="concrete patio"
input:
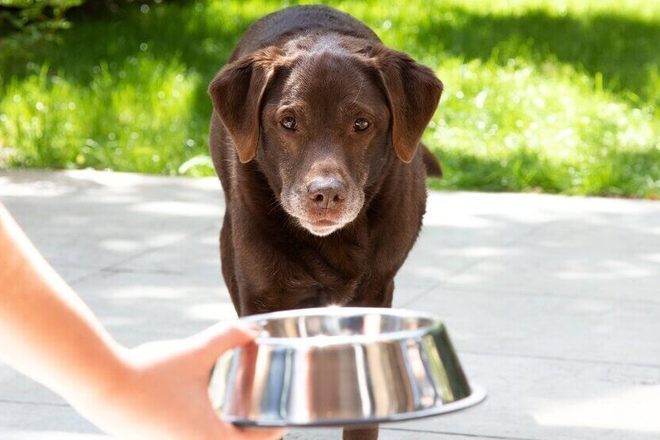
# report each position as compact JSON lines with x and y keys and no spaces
{"x":552,"y":302}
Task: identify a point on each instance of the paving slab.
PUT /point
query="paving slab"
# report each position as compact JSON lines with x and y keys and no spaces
{"x":29,"y":420}
{"x":122,"y":215}
{"x":546,"y":326}
{"x":552,"y":302}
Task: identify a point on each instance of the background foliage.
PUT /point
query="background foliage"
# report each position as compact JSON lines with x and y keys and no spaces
{"x":558,"y":96}
{"x":25,"y":22}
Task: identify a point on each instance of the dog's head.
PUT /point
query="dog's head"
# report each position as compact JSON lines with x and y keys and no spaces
{"x":323,"y":117}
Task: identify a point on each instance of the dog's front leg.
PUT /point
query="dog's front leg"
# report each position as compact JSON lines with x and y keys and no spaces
{"x":361,"y":433}
{"x":254,"y":301}
{"x":375,"y":293}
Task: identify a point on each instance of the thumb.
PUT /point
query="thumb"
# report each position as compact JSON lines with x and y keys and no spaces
{"x":226,"y":335}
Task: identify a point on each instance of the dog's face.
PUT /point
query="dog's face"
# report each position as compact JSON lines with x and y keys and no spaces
{"x":324,"y":133}
{"x":322,"y":119}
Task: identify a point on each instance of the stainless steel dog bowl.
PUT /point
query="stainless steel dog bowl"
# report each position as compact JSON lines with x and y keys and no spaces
{"x":341,"y":366}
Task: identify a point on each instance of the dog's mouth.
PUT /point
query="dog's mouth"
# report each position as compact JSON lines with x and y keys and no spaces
{"x":320,"y":231}
{"x":317,"y":220}
{"x":320,"y":225}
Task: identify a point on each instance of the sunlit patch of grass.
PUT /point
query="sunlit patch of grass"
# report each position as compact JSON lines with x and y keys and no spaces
{"x":559,"y":96}
{"x":521,"y":127}
{"x":133,"y":116}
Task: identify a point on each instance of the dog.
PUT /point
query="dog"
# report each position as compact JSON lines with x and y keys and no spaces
{"x":315,"y":136}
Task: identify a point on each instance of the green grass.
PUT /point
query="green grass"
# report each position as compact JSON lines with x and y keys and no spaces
{"x":558,"y":96}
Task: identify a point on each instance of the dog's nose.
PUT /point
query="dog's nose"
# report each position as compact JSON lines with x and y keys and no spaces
{"x":326,"y":192}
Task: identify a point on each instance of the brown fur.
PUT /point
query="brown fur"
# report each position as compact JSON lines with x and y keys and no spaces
{"x":285,"y":243}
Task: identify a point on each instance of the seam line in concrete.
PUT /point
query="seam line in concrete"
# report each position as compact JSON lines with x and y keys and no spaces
{"x":528,"y":293}
{"x":32,"y":403}
{"x":560,"y":359}
{"x":457,"y":434}
{"x":116,"y":270}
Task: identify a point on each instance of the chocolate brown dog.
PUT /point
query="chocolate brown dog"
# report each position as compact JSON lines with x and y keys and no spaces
{"x":315,"y":136}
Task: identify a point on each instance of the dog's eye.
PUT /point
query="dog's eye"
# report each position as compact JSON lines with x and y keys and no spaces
{"x":288,"y":122}
{"x":360,"y":124}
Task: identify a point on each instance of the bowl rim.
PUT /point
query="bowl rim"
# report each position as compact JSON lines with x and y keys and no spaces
{"x":263,"y":338}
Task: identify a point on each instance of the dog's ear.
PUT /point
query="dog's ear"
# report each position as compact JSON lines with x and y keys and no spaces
{"x":237,"y":91}
{"x":413,"y":92}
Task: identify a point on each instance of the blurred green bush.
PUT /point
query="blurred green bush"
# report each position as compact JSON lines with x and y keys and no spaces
{"x":34,"y":16}
{"x":26,"y":23}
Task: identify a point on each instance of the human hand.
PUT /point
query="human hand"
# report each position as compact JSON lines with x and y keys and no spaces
{"x":162,"y":392}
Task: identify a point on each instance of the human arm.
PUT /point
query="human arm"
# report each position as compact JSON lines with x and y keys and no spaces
{"x":156,"y":391}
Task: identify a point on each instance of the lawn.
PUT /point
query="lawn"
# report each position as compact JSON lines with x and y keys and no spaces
{"x":554,"y":96}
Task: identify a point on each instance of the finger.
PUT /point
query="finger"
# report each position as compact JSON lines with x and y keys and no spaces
{"x":225,"y":335}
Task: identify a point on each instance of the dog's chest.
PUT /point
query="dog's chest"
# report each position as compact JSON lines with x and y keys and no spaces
{"x":328,"y":274}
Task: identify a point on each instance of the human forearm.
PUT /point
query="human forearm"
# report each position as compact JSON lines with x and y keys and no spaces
{"x":46,"y":331}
